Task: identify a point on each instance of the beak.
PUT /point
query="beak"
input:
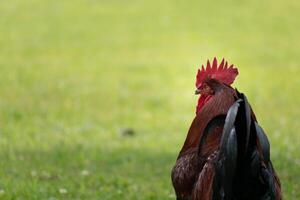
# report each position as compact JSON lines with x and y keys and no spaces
{"x":198,"y":91}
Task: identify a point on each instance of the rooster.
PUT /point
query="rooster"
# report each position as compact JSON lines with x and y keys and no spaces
{"x":226,"y":154}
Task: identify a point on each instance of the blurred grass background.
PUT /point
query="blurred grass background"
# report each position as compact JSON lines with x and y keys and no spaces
{"x":75,"y":73}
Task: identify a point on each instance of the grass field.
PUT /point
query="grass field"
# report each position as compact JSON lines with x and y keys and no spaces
{"x":75,"y":73}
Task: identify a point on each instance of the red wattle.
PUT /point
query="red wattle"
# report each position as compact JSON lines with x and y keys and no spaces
{"x":201,"y":101}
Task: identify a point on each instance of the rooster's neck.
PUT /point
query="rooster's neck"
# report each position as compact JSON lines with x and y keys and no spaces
{"x":217,"y":104}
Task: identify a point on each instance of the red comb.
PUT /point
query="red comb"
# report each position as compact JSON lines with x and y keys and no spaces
{"x":222,"y":73}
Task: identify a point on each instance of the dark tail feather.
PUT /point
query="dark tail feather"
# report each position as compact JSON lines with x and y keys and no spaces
{"x":244,"y":169}
{"x":227,"y":157}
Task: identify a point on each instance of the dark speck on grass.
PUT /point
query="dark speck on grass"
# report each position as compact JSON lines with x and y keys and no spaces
{"x":127,"y":132}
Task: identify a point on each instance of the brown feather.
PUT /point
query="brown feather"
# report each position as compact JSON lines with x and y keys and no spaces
{"x":203,"y":188}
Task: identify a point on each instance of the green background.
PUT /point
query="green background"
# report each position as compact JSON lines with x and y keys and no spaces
{"x":74,"y":74}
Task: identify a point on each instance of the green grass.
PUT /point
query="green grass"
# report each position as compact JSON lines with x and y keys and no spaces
{"x":74,"y":73}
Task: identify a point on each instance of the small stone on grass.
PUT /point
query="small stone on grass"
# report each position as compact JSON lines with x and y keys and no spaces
{"x":63,"y":191}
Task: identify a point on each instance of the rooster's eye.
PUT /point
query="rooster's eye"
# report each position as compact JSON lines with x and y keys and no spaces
{"x":204,"y":86}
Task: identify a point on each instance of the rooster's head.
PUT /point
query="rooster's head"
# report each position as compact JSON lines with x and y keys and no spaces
{"x":209,"y":79}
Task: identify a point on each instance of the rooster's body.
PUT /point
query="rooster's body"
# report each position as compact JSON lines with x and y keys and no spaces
{"x":226,"y":154}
